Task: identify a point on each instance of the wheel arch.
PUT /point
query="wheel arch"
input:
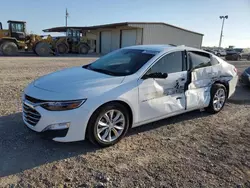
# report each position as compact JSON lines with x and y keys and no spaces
{"x":225,"y":83}
{"x":125,"y":104}
{"x":3,"y":40}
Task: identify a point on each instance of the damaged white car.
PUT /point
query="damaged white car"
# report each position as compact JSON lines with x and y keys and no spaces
{"x":126,"y":88}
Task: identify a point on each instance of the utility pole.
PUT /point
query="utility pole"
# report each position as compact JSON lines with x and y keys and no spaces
{"x":221,"y":34}
{"x":66,"y":17}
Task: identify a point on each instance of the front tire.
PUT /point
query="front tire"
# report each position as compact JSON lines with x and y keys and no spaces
{"x":218,"y":98}
{"x":42,"y":49}
{"x":108,"y":124}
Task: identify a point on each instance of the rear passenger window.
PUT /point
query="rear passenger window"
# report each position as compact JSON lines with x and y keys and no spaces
{"x":214,"y":61}
{"x":199,"y":59}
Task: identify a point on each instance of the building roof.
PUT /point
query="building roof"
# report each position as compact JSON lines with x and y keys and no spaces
{"x":15,"y":21}
{"x":113,"y":25}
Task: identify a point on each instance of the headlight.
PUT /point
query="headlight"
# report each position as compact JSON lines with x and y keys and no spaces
{"x":62,"y":105}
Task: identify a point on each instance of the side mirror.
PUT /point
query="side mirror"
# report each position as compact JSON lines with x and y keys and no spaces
{"x":157,"y":75}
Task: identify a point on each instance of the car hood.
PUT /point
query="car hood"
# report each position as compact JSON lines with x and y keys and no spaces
{"x":76,"y":79}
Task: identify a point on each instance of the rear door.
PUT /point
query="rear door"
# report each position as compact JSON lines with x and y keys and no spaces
{"x":201,"y":75}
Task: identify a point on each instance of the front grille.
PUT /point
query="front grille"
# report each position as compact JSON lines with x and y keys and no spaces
{"x":30,"y":115}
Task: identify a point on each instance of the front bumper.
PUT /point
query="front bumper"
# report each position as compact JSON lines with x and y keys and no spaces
{"x":78,"y":119}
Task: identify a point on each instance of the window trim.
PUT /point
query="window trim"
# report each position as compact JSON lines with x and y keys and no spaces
{"x":160,"y":57}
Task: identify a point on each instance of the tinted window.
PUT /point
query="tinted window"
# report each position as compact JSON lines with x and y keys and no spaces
{"x":238,"y":50}
{"x":122,"y":62}
{"x":17,"y":27}
{"x":199,"y":59}
{"x":168,"y":64}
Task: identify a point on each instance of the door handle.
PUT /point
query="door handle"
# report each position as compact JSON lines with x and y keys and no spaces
{"x":178,"y":98}
{"x":183,"y":79}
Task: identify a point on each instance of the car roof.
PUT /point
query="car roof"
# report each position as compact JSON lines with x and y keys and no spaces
{"x":165,"y":47}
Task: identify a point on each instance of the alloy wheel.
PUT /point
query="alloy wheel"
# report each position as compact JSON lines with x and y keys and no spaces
{"x":111,"y":126}
{"x":219,"y":99}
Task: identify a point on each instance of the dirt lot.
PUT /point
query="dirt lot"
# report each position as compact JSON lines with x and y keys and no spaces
{"x":191,"y":150}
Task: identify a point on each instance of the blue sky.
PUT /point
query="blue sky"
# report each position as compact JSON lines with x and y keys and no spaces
{"x":197,"y":15}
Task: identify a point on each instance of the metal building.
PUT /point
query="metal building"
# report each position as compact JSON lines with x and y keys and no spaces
{"x":113,"y":36}
{"x":110,"y":37}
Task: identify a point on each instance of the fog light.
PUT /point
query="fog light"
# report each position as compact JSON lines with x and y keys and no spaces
{"x":58,"y":126}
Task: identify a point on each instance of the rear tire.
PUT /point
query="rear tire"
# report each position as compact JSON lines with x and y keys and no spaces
{"x":42,"y":49}
{"x":62,"y":48}
{"x":9,"y":49}
{"x":83,"y":49}
{"x":218,"y":95}
{"x":218,"y":55}
{"x":1,"y":47}
{"x":102,"y":127}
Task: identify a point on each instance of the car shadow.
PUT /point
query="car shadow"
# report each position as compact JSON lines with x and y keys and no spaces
{"x":22,"y":148}
{"x":167,"y":121}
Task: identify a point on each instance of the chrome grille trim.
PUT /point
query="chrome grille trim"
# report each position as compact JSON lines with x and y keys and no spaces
{"x":30,"y":115}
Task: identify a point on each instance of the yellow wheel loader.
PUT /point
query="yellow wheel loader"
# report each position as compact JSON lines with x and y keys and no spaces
{"x":15,"y":38}
{"x":71,"y":43}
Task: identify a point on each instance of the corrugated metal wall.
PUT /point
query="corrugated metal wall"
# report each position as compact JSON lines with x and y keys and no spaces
{"x":115,"y":37}
{"x":164,"y":34}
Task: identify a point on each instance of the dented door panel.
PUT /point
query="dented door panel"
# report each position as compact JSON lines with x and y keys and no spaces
{"x":202,"y":79}
{"x":160,"y":97}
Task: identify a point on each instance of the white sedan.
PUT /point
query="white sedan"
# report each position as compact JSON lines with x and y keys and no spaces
{"x":126,"y":88}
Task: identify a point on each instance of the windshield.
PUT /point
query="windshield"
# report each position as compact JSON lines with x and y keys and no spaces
{"x":238,"y":49}
{"x":122,"y":62}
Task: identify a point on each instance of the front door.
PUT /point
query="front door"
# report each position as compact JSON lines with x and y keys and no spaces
{"x":163,"y":97}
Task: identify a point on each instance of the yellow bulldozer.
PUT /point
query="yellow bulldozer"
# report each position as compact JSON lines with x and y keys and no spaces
{"x":73,"y":42}
{"x":15,"y":38}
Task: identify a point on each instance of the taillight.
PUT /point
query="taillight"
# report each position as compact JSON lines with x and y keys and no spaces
{"x":235,"y":70}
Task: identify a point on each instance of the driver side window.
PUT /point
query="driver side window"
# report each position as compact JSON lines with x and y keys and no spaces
{"x":170,"y":63}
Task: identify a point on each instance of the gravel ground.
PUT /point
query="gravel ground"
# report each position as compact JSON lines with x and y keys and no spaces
{"x":191,"y":150}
